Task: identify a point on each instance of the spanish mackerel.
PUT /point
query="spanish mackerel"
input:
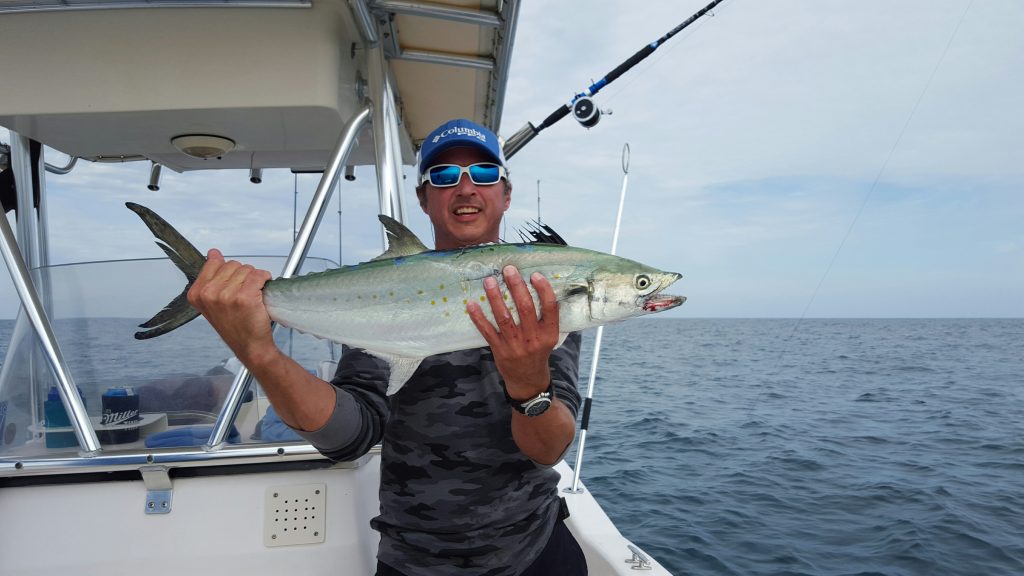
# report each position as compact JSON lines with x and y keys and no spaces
{"x":410,"y":302}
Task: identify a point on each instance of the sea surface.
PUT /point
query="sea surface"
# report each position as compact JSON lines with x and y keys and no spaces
{"x":815,"y":447}
{"x":823,"y":447}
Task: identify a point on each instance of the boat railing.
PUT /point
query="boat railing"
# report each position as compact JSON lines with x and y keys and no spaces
{"x":36,"y":363}
{"x":180,"y":380}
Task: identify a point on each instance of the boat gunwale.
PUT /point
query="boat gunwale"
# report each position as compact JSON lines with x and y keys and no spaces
{"x":170,"y":458}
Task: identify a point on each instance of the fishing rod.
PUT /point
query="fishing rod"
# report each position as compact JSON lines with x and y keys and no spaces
{"x":582,"y":106}
{"x":575,"y":489}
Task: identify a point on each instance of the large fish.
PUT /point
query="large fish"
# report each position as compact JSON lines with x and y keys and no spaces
{"x":410,"y":302}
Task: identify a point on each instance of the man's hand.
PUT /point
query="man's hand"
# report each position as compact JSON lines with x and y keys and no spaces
{"x":521,"y":351}
{"x":521,"y":354}
{"x":229,"y":294}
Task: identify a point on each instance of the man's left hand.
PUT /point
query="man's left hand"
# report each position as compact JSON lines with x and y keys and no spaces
{"x":521,"y":351}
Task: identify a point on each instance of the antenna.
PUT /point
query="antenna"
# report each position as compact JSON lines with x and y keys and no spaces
{"x":539,"y":221}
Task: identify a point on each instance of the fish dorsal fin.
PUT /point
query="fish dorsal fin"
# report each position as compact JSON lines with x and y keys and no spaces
{"x":537,"y":233}
{"x":401,"y":240}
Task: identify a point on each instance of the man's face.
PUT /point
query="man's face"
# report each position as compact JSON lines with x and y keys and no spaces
{"x":465,"y":214}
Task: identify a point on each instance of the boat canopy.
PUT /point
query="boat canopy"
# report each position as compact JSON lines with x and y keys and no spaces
{"x":306,"y":85}
{"x":273,"y":81}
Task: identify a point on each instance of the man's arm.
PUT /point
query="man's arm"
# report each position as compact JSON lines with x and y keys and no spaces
{"x":230,"y":296}
{"x":521,"y":354}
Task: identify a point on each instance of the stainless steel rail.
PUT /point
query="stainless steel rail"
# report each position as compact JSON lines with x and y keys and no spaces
{"x":431,"y":57}
{"x":437,"y":11}
{"x":61,"y":170}
{"x":385,"y":138}
{"x":21,"y":165}
{"x":315,"y":213}
{"x":33,"y":306}
{"x":365,"y":20}
{"x":499,"y":76}
{"x":235,"y":454}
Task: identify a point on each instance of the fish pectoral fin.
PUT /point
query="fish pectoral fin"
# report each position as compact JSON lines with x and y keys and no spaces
{"x":402,"y":368}
{"x":576,"y":289}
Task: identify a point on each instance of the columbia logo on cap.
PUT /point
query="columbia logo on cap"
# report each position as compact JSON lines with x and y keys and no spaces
{"x":459,"y":132}
{"x":471,"y":132}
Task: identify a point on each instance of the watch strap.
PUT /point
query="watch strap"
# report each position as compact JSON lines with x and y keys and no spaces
{"x":524,"y":406}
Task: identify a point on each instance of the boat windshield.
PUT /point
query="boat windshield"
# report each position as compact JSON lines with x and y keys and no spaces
{"x":177,"y":382}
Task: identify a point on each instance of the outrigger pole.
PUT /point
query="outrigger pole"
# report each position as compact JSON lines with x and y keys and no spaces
{"x":582,"y":106}
{"x":575,"y":488}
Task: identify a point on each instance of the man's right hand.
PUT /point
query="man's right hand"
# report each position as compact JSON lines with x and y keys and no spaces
{"x":230,"y":295}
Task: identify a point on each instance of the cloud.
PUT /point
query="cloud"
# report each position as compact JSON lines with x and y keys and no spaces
{"x":758,"y":137}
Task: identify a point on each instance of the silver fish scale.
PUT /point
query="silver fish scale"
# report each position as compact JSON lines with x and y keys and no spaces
{"x":411,"y":302}
{"x":416,"y":306}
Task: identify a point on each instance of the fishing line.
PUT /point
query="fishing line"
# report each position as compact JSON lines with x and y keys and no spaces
{"x":874,"y":185}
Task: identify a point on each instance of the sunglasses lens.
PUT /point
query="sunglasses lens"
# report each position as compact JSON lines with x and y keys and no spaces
{"x":484,"y":173}
{"x":447,"y":175}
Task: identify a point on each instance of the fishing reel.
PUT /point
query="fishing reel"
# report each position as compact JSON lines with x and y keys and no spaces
{"x":586,"y":112}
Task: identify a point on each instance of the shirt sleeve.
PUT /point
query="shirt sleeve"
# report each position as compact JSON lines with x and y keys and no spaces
{"x":564,"y":365}
{"x":360,"y":407}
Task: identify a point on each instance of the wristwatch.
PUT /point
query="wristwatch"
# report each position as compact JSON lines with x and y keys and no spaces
{"x":535,"y":406}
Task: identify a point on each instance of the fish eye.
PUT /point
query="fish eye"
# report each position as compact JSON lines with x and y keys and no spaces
{"x":642,"y":282}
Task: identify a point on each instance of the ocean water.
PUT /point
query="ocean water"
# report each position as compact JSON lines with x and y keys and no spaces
{"x":824,"y":447}
{"x":820,"y":447}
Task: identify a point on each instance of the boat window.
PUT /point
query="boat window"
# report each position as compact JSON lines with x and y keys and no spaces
{"x":177,"y":381}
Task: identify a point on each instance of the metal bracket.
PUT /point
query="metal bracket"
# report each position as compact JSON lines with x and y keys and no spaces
{"x":639,"y":561}
{"x":158,"y":489}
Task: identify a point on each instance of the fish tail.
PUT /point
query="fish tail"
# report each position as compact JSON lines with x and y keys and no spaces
{"x":185,"y":256}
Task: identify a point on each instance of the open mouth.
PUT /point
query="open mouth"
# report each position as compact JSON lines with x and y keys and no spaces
{"x":659,"y":302}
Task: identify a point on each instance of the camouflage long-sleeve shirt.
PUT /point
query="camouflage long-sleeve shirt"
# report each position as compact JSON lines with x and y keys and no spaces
{"x":457,"y":496}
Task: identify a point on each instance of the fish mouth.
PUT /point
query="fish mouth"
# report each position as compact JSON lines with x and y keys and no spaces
{"x":656,"y":301}
{"x":659,"y":302}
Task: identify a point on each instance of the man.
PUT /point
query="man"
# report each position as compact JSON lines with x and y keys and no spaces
{"x":466,"y":484}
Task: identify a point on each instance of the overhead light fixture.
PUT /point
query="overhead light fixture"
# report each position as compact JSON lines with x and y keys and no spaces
{"x":203,"y":146}
{"x":154,"y":177}
{"x":350,"y":173}
{"x":256,"y":175}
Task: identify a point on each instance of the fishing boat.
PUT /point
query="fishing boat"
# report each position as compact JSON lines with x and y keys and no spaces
{"x":204,"y":478}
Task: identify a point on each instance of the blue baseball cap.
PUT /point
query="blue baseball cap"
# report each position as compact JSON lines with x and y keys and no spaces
{"x":459,"y":132}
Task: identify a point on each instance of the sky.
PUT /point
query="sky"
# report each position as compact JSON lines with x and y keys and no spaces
{"x":789,"y":158}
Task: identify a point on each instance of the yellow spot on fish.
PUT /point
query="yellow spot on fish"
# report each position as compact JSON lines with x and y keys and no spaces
{"x":557,"y":276}
{"x":419,"y":291}
{"x":445,"y":299}
{"x":432,"y":302}
{"x":442,"y":286}
{"x":465,"y":301}
{"x":483,"y":298}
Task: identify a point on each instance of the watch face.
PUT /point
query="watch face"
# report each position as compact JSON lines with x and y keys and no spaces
{"x":538,"y":407}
